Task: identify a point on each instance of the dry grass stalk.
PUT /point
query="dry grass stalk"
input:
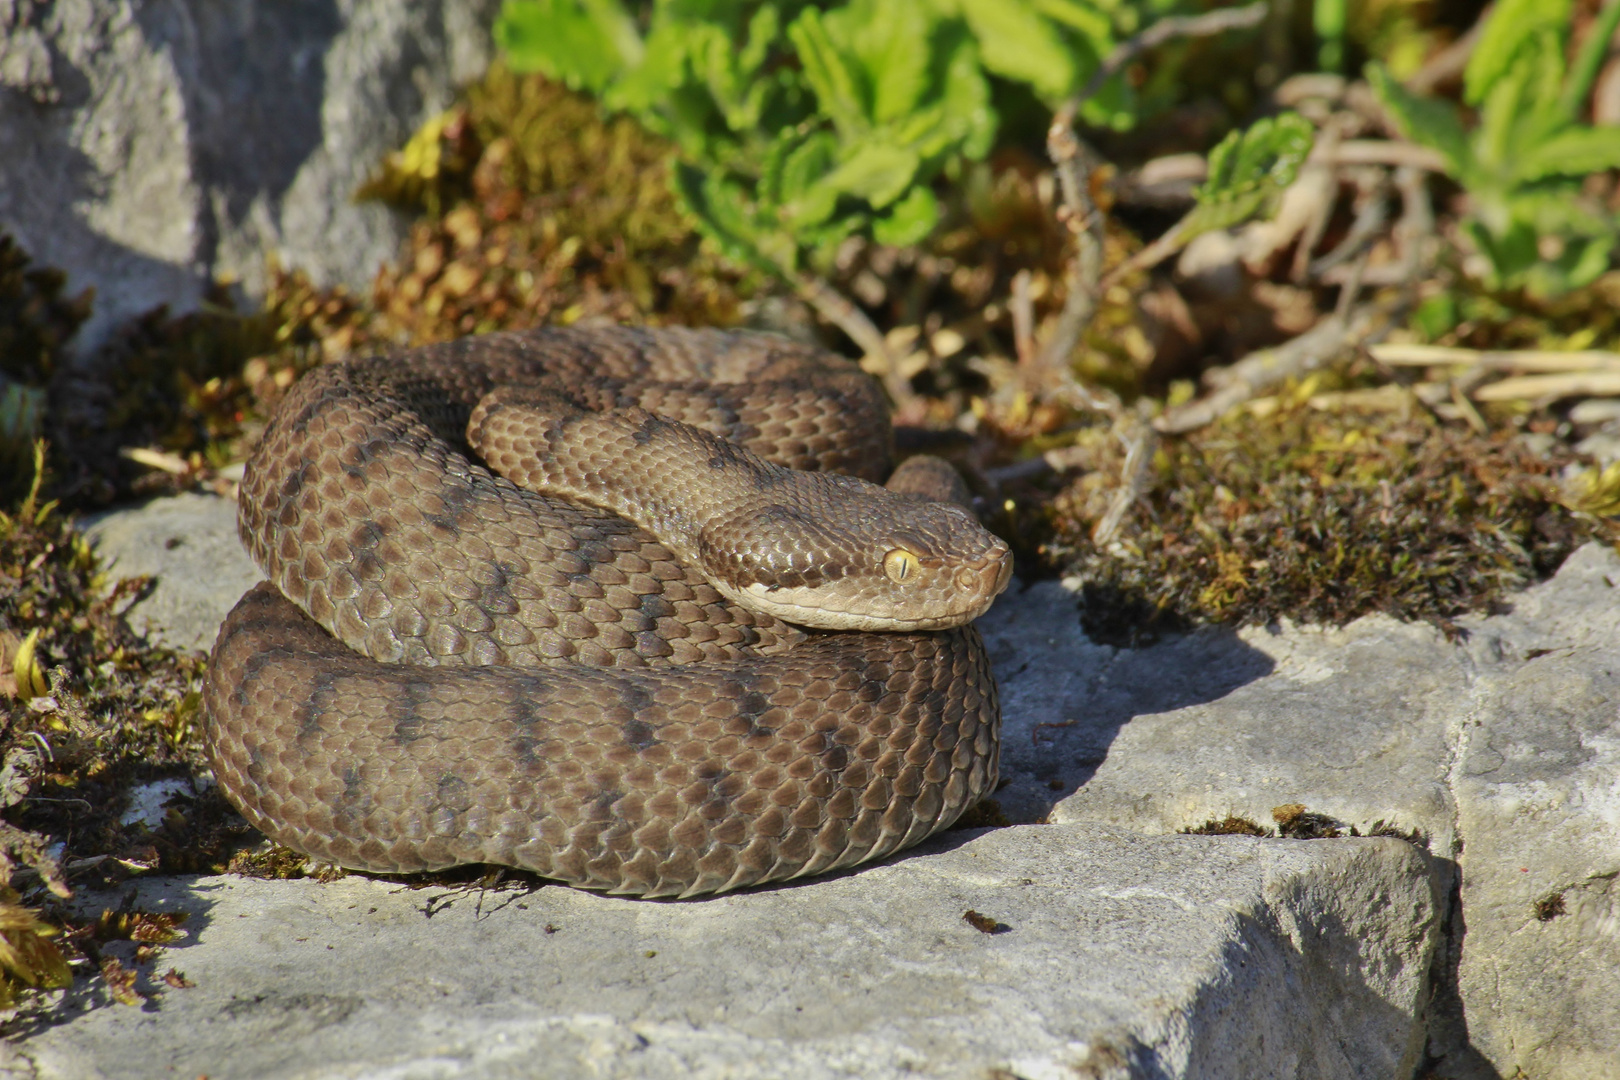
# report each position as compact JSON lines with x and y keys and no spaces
{"x":1536,"y":387}
{"x":1536,"y":360}
{"x":1324,"y":343}
{"x":1391,"y":152}
{"x":839,"y":310}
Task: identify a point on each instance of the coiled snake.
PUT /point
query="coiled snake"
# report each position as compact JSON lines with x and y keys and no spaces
{"x":447,"y":668}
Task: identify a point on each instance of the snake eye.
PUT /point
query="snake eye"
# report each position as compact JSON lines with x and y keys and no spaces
{"x":900,"y":565}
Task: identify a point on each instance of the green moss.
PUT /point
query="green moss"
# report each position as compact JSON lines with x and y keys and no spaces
{"x":272,"y":862}
{"x":1321,"y":517}
{"x":551,"y":213}
{"x":118,"y":708}
{"x":1295,"y":822}
{"x":36,"y":322}
{"x":1231,"y":825}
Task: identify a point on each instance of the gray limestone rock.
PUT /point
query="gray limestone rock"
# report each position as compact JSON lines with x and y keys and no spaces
{"x":151,"y":147}
{"x":1502,"y":750}
{"x":188,"y":544}
{"x":1536,"y":776}
{"x":1114,"y":956}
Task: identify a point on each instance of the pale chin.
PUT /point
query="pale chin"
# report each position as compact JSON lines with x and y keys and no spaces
{"x":807,"y":607}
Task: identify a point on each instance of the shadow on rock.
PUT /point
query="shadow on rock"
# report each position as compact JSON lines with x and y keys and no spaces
{"x":137,"y":917}
{"x":1064,"y":699}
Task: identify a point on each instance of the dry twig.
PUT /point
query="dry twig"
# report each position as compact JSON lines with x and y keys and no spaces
{"x":1536,"y":387}
{"x":1415,"y":230}
{"x":1023,"y":319}
{"x":1371,"y":215}
{"x":1070,"y":158}
{"x":1387,"y":152}
{"x":1318,"y":181}
{"x":837,"y":309}
{"x":1323,"y":343}
{"x":1141,"y":441}
{"x":1172,"y":241}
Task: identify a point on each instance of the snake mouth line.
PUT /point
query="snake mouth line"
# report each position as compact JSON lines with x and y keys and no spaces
{"x":801,"y":607}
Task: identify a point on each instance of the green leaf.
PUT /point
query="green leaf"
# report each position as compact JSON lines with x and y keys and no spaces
{"x":1572,"y":152}
{"x":1514,"y":25}
{"x":1248,"y":171}
{"x":584,"y":43}
{"x":723,"y":215}
{"x":643,"y":88}
{"x":813,"y":159}
{"x":1558,"y":208}
{"x":1585,"y":263}
{"x":822,"y":243}
{"x":1543,"y":107}
{"x":876,"y":171}
{"x":1436,"y":316}
{"x":1093,"y":25}
{"x":967,"y":117}
{"x":1015,"y":42}
{"x":829,"y":72}
{"x":811,"y":210}
{"x":714,"y":61}
{"x":804,"y":199}
{"x":1594,"y":50}
{"x":763,"y":30}
{"x":1427,"y":121}
{"x":1267,"y":154}
{"x":1502,"y":111}
{"x":1273,"y":150}
{"x":1509,"y":254}
{"x":890,"y":42}
{"x":909,"y":221}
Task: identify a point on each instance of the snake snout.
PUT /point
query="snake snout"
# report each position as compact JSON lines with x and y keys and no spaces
{"x":990,"y":574}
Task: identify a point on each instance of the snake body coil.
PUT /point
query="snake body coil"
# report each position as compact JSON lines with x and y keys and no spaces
{"x":447,"y":668}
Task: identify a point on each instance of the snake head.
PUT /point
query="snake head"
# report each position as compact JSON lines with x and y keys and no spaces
{"x":837,"y":553}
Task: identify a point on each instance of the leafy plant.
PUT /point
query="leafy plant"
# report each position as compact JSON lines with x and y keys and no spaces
{"x":28,"y":958}
{"x":1523,"y":162}
{"x":1248,"y":172}
{"x":800,"y":124}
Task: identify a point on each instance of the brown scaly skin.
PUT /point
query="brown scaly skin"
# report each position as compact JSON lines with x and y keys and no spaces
{"x":808,"y":547}
{"x":507,"y":678}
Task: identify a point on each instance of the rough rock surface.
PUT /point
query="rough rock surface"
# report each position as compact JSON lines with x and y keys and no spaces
{"x":151,"y":147}
{"x":1536,"y":777}
{"x":1502,"y":750}
{"x":188,"y":544}
{"x":1116,"y":956}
